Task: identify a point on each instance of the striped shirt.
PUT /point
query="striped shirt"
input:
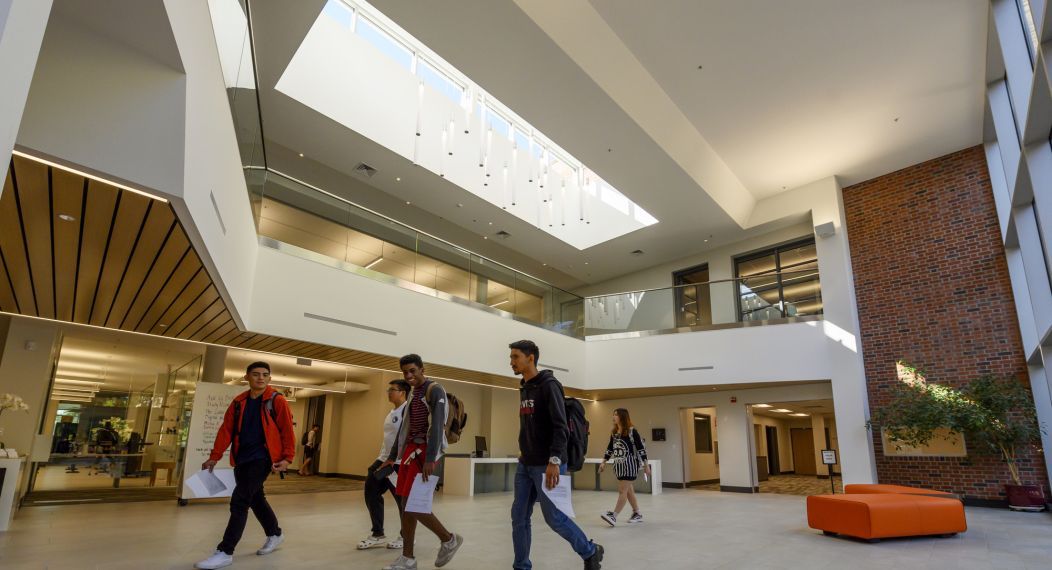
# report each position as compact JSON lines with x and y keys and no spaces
{"x":418,"y":414}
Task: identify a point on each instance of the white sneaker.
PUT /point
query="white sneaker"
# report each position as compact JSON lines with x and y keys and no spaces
{"x":609,"y":517}
{"x":219,"y":559}
{"x":396,"y":544}
{"x":372,"y":541}
{"x":402,"y":563}
{"x":271,"y":544}
{"x":448,"y":549}
{"x":636,"y":518}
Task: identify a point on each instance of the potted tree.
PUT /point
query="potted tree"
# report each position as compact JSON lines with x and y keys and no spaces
{"x":996,"y":415}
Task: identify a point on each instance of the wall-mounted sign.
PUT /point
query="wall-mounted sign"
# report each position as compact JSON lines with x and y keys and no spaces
{"x":658,"y":434}
{"x":829,"y":456}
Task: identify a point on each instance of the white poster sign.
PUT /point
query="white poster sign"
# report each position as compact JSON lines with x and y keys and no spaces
{"x":211,"y":401}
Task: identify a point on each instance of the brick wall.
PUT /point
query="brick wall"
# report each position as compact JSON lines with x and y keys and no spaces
{"x":933,"y":289}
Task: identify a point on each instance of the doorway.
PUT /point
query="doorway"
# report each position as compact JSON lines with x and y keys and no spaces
{"x":701,"y":459}
{"x":773,"y":464}
{"x":692,"y":296}
{"x":803,"y":451}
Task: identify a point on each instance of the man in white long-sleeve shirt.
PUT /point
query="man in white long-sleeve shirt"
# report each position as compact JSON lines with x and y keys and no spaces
{"x":379,"y":480}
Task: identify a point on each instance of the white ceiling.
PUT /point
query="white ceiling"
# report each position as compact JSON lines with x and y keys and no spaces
{"x":790,"y":93}
{"x":811,"y":407}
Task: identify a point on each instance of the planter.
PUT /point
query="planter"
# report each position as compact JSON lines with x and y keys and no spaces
{"x":1025,"y":497}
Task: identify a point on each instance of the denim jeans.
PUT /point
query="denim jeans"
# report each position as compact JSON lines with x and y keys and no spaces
{"x":248,"y":494}
{"x":528,"y":481}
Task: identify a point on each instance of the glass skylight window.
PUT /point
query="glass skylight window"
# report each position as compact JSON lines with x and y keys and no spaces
{"x":391,"y":47}
{"x":440,"y":81}
{"x":360,"y":69}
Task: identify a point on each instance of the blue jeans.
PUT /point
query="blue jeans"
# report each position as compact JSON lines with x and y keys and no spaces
{"x":528,"y":481}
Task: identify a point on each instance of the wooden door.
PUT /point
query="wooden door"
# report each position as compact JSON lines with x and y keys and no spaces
{"x":803,"y":451}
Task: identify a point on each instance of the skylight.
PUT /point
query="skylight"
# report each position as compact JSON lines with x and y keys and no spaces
{"x":359,"y":68}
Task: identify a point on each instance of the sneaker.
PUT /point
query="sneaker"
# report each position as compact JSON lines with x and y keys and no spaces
{"x":373,"y":541}
{"x":219,"y":559}
{"x":610,"y":517}
{"x":396,"y":544}
{"x":448,"y":549}
{"x":636,"y":518}
{"x":402,"y":563}
{"x":593,"y":563}
{"x":271,"y":544}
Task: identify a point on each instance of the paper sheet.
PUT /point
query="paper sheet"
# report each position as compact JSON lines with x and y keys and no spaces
{"x":560,"y":495}
{"x":421,"y":495}
{"x":217,"y":483}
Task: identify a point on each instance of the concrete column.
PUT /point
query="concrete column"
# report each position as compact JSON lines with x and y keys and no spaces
{"x":737,"y":452}
{"x":818,"y":434}
{"x":27,"y":347}
{"x":22,"y":25}
{"x":214,"y":366}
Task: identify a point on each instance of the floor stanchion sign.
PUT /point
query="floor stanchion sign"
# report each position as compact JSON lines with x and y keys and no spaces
{"x":211,"y":401}
{"x":829,"y":459}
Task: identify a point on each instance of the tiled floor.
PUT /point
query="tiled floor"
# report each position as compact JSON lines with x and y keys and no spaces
{"x":292,"y":484}
{"x":684,"y":529}
{"x":803,"y":485}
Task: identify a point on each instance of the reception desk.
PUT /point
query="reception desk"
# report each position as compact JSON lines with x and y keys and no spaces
{"x":468,"y":476}
{"x":10,"y":472}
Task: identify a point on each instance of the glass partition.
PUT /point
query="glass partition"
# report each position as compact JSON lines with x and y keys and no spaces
{"x":765,"y":296}
{"x":311,"y":219}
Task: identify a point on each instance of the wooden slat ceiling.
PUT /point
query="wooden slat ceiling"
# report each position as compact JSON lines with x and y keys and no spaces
{"x":79,"y":250}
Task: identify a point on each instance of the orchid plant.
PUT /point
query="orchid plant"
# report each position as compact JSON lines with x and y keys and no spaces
{"x":11,"y":402}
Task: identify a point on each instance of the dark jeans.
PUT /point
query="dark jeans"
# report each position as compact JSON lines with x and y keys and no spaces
{"x":528,"y":482}
{"x":248,"y":494}
{"x":374,"y":498}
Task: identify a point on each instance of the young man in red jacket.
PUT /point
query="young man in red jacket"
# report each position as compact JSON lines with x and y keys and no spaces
{"x":258,"y":428}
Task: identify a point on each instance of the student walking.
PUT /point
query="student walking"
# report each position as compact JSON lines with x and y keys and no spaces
{"x":543,"y":435}
{"x":378,"y":481}
{"x":421,"y":441}
{"x":310,"y":450}
{"x":628,"y":455}
{"x":258,"y":429}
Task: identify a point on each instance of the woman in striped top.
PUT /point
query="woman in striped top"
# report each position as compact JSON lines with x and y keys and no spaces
{"x":627,"y":454}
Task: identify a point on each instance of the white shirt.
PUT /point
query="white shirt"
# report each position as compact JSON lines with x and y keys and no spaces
{"x":391,"y":426}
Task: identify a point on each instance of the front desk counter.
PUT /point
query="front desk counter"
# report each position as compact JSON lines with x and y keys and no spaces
{"x":469,"y":476}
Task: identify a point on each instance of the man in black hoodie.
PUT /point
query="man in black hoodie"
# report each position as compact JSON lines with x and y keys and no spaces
{"x":542,"y":444}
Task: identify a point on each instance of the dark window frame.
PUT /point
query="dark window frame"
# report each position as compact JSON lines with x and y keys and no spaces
{"x":776,"y":250}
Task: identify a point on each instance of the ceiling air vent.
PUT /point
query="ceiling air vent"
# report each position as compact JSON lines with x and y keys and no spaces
{"x":503,"y":234}
{"x":364,"y":170}
{"x":637,"y":252}
{"x":303,"y":361}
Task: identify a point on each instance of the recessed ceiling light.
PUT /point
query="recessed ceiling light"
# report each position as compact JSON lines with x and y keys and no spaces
{"x":544,"y":264}
{"x":896,"y":119}
{"x":163,"y":326}
{"x":485,"y":237}
{"x":491,"y":223}
{"x":301,"y":155}
{"x":407,"y":202}
{"x":586,"y":263}
{"x":761,"y":405}
{"x":460,"y":205}
{"x":799,"y":415}
{"x":782,"y":411}
{"x":701,"y":67}
{"x":397,"y":179}
{"x":66,"y":218}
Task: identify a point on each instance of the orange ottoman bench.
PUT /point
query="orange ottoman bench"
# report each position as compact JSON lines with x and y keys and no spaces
{"x":876,"y":516}
{"x":876,"y":489}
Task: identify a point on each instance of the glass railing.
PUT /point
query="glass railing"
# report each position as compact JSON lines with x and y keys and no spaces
{"x":310,"y":219}
{"x":765,"y":298}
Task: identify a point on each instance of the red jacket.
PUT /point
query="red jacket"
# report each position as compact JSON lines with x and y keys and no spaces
{"x":281,"y":443}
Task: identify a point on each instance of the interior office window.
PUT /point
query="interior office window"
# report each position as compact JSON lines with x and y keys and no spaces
{"x":440,"y":81}
{"x":385,"y":42}
{"x":779,"y":282}
{"x":693,"y":303}
{"x":702,"y":433}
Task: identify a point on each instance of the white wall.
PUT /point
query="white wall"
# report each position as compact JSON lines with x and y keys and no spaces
{"x":22,"y":25}
{"x":441,"y":332}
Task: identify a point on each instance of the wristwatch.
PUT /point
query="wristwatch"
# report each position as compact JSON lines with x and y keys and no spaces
{"x":555,"y":460}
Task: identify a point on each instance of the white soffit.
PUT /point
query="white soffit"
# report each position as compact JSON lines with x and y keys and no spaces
{"x":362,"y":70}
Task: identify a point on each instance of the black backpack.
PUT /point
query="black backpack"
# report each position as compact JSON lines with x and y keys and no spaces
{"x":303,"y":440}
{"x":577,"y":440}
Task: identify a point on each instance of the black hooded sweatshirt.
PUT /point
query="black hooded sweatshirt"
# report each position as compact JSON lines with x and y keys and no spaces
{"x":542,"y":420}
